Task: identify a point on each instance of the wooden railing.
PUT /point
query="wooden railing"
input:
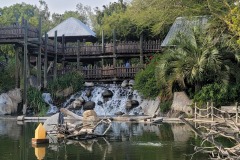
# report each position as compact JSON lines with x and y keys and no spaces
{"x":105,"y":72}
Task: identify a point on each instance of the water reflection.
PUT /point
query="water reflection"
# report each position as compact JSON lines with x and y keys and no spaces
{"x":125,"y":141}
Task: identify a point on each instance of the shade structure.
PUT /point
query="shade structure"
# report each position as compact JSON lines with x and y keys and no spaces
{"x":184,"y":25}
{"x":73,"y":30}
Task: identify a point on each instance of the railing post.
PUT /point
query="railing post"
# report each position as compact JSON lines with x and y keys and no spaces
{"x":207,"y":109}
{"x":78,"y":55}
{"x":195,"y":111}
{"x":55,"y":57}
{"x":236,"y":112}
{"x":25,"y":67}
{"x":212,"y":112}
{"x":45,"y":61}
{"x":103,"y":43}
{"x":39,"y":58}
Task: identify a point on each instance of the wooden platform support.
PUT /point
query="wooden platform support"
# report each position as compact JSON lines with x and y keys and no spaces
{"x":55,"y":57}
{"x":63,"y":52}
{"x":78,"y":55}
{"x":39,"y":58}
{"x":45,"y":61}
{"x":141,"y":50}
{"x":17,"y":66}
{"x":114,"y":52}
{"x":25,"y":63}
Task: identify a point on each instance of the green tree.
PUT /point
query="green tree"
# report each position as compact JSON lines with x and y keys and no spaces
{"x":194,"y":61}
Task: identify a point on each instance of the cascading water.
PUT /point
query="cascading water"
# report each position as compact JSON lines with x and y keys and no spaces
{"x":108,"y":106}
{"x":47,"y":98}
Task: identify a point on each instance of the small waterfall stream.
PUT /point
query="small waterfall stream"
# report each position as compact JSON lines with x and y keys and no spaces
{"x":108,"y":106}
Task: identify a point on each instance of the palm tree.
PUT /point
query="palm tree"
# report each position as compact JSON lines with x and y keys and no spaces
{"x":193,"y":61}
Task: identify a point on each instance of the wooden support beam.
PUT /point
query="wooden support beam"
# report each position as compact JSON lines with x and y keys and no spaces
{"x":45,"y":60}
{"x":78,"y":55}
{"x":17,"y":67}
{"x":55,"y":57}
{"x":103,"y":43}
{"x":39,"y":58}
{"x":114,"y":53}
{"x":25,"y":66}
{"x":63,"y":52}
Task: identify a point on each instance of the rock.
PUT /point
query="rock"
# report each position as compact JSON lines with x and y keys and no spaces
{"x":88,"y":93}
{"x":89,"y":84}
{"x":119,"y":113}
{"x":124,"y":83}
{"x":9,"y":102}
{"x":81,"y":99}
{"x":182,"y":103}
{"x":90,"y":115}
{"x":131,"y":83}
{"x":77,"y":104}
{"x":90,"y":105}
{"x":130,"y":104}
{"x":107,"y":93}
{"x":64,"y":93}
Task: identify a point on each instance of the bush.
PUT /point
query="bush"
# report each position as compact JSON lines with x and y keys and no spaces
{"x":165,"y":106}
{"x":145,"y":81}
{"x":219,"y":94}
{"x":7,"y":78}
{"x":71,"y":79}
{"x":36,"y":102}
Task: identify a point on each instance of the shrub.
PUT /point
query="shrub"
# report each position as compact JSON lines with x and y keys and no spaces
{"x":35,"y":101}
{"x":165,"y":106}
{"x":7,"y":78}
{"x":145,"y":81}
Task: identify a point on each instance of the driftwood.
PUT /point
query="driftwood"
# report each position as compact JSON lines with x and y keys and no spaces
{"x":210,"y":133}
{"x":82,"y":131}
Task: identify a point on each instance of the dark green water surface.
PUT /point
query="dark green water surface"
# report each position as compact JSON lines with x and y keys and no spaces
{"x":126,"y":141}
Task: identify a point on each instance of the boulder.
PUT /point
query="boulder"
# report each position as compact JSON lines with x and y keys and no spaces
{"x":90,"y":115}
{"x":90,"y":105}
{"x":124,"y":83}
{"x":64,"y":93}
{"x":131,"y":83}
{"x":182,"y":103}
{"x":130,"y":104}
{"x":107,"y":93}
{"x":77,"y":104}
{"x":99,"y":103}
{"x":89,"y":84}
{"x":9,"y":102}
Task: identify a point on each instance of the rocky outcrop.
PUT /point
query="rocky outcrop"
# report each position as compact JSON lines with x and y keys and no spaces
{"x":130,"y":104}
{"x":65,"y":93}
{"x":131,"y":83}
{"x":9,"y":102}
{"x":182,"y":103}
{"x":124,"y":83}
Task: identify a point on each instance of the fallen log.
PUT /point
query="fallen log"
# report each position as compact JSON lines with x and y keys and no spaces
{"x":70,"y":114}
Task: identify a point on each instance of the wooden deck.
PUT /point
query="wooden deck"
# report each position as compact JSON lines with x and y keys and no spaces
{"x":22,"y":34}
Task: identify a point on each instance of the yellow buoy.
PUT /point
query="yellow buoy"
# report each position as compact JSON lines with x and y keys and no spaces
{"x":40,"y":135}
{"x":40,"y":132}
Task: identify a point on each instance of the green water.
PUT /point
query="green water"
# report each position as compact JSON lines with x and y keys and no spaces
{"x":126,"y":141}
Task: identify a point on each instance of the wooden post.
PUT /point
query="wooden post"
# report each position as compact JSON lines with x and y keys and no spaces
{"x":103,"y":43}
{"x":207,"y":109}
{"x":25,"y":65}
{"x":63,"y":51}
{"x":78,"y":55}
{"x":141,"y":50}
{"x":114,"y":53}
{"x":55,"y":57}
{"x":195,"y":111}
{"x":17,"y":69}
{"x":39,"y":58}
{"x":236,"y":112}
{"x":212,"y":112}
{"x":45,"y":61}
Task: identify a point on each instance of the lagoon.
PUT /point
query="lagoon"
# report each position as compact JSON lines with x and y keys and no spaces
{"x":125,"y":141}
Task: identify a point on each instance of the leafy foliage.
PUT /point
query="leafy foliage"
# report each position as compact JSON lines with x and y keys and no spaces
{"x":7,"y":80}
{"x":71,"y":79}
{"x":35,"y":101}
{"x":165,"y":106}
{"x":145,"y":81}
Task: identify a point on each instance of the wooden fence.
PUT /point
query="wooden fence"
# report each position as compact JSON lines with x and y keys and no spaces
{"x":229,"y":112}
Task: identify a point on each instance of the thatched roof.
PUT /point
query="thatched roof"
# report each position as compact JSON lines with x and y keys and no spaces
{"x":183,"y":25}
{"x":73,"y":30}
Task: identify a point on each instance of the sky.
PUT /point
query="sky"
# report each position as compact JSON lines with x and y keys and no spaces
{"x":59,"y":6}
